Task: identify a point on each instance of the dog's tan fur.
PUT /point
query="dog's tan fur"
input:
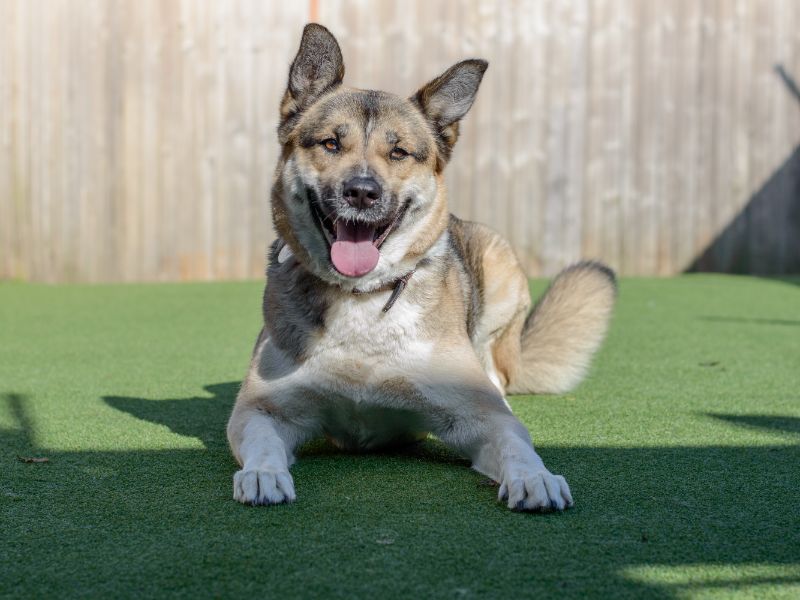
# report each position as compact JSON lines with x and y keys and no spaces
{"x":333,"y":359}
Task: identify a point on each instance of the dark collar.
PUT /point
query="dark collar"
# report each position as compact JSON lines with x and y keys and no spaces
{"x":397,"y":286}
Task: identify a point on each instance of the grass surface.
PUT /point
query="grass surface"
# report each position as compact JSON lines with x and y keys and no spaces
{"x":682,"y":450}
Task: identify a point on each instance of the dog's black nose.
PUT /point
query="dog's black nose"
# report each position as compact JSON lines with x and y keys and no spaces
{"x":362,"y":192}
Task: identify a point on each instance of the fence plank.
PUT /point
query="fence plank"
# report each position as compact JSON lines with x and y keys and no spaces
{"x":137,"y":138}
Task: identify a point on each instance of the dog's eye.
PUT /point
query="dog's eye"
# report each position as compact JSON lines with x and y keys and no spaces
{"x":398,"y":153}
{"x":331,"y":145}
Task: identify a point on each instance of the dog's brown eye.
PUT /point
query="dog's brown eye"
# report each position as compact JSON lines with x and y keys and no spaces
{"x":398,"y":153}
{"x":331,"y":145}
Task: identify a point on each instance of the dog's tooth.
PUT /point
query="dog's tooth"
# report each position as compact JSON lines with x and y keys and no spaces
{"x":284,"y":254}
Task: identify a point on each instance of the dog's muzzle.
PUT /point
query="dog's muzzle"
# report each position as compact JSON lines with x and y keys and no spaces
{"x":353,"y":237}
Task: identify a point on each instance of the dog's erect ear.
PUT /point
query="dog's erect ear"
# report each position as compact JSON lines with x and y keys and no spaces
{"x":317,"y":68}
{"x":446,"y":99}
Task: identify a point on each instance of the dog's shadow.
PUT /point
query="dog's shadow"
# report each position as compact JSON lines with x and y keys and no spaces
{"x":204,"y":418}
{"x":199,"y":417}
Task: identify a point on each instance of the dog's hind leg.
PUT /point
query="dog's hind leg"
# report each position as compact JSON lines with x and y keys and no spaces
{"x":505,"y":301}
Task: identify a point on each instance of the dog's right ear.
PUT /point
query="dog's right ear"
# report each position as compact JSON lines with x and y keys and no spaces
{"x":317,"y":68}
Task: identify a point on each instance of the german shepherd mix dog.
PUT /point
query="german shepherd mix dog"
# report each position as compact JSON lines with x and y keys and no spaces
{"x":385,"y":317}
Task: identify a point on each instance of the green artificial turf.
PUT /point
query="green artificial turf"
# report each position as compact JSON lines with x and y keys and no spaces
{"x":682,"y":450}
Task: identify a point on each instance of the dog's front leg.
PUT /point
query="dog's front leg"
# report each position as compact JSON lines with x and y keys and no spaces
{"x":507,"y":455}
{"x":482,"y":427}
{"x":264,"y":447}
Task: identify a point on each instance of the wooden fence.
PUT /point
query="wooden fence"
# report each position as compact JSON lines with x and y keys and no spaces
{"x":137,"y":137}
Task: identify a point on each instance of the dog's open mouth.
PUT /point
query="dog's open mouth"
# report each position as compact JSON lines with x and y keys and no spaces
{"x":355,"y":246}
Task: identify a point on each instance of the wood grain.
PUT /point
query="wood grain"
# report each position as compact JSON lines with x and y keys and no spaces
{"x":137,"y":138}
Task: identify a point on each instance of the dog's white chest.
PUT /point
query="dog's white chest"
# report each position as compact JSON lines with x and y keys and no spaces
{"x":361,"y":350}
{"x":360,"y":341}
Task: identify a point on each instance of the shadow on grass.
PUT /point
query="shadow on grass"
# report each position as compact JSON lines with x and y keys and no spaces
{"x":754,"y":320}
{"x":199,"y":417}
{"x":18,"y":438}
{"x":783,"y":424}
{"x":417,"y":522}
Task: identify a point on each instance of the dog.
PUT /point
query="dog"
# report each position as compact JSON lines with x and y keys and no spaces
{"x":387,"y":319}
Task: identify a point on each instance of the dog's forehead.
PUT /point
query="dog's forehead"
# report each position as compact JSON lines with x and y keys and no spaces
{"x":368,"y":111}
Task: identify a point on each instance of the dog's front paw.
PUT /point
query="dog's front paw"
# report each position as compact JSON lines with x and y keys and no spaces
{"x":536,"y":491}
{"x":261,"y":486}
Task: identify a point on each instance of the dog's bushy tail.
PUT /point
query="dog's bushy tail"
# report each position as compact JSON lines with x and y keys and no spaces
{"x":565,"y":329}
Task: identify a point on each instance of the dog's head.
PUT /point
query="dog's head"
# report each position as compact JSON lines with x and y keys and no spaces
{"x":359,"y":193}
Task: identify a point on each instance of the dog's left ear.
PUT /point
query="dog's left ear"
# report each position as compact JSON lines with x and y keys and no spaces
{"x":446,"y":99}
{"x":317,"y":68}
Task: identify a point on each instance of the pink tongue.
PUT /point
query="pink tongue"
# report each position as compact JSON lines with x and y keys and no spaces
{"x":353,"y":253}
